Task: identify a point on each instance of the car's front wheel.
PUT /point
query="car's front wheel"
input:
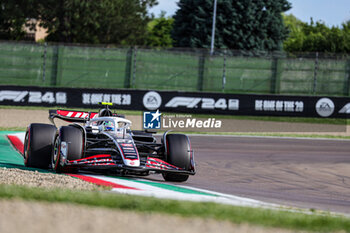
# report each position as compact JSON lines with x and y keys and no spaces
{"x":178,"y":154}
{"x":38,"y":143}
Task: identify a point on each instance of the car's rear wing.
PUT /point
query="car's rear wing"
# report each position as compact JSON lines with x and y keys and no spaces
{"x":72,"y":115}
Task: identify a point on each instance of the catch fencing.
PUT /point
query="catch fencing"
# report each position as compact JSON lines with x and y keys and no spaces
{"x":56,"y":65}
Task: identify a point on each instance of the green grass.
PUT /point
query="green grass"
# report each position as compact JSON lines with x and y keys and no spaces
{"x":13,"y":128}
{"x":254,"y":216}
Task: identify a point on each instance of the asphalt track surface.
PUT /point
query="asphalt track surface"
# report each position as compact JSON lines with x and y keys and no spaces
{"x":306,"y":173}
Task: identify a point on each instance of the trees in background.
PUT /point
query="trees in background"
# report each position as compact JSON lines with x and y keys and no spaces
{"x":316,"y":37}
{"x":240,"y":24}
{"x":80,"y":21}
{"x":13,"y":17}
{"x":99,"y":21}
{"x":159,"y":30}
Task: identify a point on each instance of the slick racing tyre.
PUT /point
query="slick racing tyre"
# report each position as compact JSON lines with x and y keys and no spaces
{"x":178,"y":154}
{"x":73,"y":138}
{"x":38,"y":145}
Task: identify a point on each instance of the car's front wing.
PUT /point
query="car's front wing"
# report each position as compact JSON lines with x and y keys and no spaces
{"x":106,"y":162}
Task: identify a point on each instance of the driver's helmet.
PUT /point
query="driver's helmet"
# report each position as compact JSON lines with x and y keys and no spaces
{"x":108,"y":126}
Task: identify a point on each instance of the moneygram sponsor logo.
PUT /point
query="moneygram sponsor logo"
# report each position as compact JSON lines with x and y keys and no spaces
{"x":203,"y":103}
{"x":95,"y":98}
{"x":34,"y":97}
{"x":152,"y":100}
{"x":325,"y":107}
{"x":279,"y":106}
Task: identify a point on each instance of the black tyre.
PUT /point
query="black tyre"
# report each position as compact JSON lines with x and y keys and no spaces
{"x":74,"y":148}
{"x":38,"y":145}
{"x":178,"y":154}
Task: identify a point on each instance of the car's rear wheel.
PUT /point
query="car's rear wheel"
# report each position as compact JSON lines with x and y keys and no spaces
{"x":38,"y":143}
{"x":179,"y":155}
{"x":70,"y":149}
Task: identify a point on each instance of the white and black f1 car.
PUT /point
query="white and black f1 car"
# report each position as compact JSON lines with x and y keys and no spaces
{"x":104,"y":142}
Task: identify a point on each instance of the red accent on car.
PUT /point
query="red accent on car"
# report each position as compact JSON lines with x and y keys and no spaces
{"x":167,"y":147}
{"x":93,"y":162}
{"x":92,"y":157}
{"x":160,"y":163}
{"x":127,"y":145}
{"x":76,"y":114}
{"x":101,"y":182}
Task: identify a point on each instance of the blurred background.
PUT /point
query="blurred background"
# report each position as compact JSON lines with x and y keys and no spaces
{"x":242,"y":46}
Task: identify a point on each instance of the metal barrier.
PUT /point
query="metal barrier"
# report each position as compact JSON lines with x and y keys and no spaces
{"x":173,"y":69}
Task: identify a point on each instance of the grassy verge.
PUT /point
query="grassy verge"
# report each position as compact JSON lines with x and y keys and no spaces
{"x":255,"y":216}
{"x":255,"y":118}
{"x":13,"y":128}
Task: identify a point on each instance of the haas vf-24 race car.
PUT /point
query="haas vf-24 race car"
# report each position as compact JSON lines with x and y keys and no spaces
{"x":103,"y":142}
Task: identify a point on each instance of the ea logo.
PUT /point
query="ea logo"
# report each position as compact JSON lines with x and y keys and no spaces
{"x":325,"y":107}
{"x":152,"y":100}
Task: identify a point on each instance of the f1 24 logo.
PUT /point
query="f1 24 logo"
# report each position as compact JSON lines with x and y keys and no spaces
{"x":34,"y":97}
{"x":203,"y":103}
{"x":345,"y":109}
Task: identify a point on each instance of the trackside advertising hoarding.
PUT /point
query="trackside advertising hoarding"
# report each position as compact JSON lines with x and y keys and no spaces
{"x":180,"y":102}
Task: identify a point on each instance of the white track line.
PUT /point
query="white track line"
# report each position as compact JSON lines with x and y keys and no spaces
{"x":20,"y":136}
